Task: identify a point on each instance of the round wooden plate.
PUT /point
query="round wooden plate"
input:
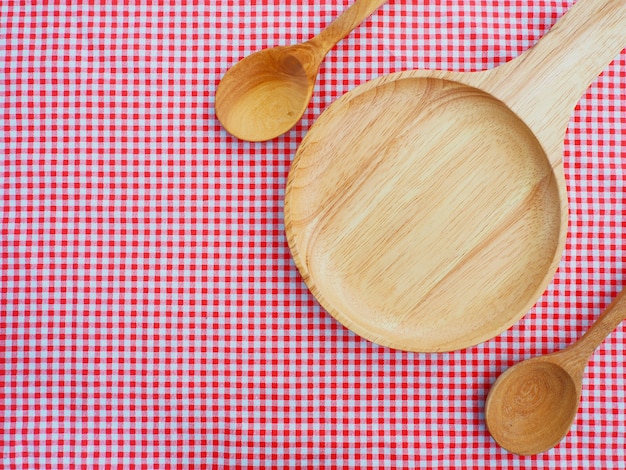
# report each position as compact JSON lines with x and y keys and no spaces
{"x":417,"y":245}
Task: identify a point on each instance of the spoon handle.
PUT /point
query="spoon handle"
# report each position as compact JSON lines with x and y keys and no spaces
{"x":544,"y":84}
{"x":612,"y":316}
{"x":344,"y":24}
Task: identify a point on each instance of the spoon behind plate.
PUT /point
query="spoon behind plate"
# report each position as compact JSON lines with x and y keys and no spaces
{"x":266,"y":93}
{"x":532,"y":405}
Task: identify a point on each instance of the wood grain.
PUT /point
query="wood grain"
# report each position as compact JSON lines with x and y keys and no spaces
{"x":266,"y":93}
{"x":427,"y":210}
{"x":535,"y":407}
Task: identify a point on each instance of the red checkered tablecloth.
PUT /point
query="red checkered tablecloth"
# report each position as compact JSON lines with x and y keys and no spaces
{"x":151,"y":315}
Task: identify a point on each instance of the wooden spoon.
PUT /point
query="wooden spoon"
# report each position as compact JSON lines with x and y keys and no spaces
{"x":532,"y":405}
{"x":427,"y":210}
{"x":265,"y":94}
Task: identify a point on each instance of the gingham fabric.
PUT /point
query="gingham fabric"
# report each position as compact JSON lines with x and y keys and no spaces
{"x":151,"y":315}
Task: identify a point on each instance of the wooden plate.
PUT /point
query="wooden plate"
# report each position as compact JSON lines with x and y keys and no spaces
{"x":411,"y":246}
{"x":427,"y":210}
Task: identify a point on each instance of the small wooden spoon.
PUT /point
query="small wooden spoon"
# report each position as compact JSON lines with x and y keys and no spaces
{"x":265,"y":94}
{"x":532,"y":405}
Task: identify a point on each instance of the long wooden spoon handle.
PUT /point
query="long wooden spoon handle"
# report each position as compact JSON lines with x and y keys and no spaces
{"x":345,"y":23}
{"x":544,"y":84}
{"x":612,"y":316}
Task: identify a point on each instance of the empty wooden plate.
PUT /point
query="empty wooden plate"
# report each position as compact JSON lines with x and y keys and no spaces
{"x":427,"y":210}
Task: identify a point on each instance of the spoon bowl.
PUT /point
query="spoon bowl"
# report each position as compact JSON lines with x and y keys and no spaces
{"x":530,"y":395}
{"x":265,"y":94}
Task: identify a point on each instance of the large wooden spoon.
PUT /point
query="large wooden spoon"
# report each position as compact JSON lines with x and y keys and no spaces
{"x":427,"y":210}
{"x":532,"y":405}
{"x":265,"y":94}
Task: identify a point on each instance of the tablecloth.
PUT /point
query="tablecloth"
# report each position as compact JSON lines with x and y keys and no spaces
{"x":151,"y":315}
